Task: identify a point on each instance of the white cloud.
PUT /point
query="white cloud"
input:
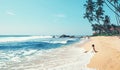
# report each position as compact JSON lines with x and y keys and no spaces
{"x":10,"y":13}
{"x":60,"y":15}
{"x":59,"y":18}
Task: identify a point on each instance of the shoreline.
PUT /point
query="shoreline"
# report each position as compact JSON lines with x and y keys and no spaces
{"x":108,"y":55}
{"x":72,"y":57}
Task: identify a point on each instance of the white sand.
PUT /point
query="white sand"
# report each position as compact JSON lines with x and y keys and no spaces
{"x":108,"y":55}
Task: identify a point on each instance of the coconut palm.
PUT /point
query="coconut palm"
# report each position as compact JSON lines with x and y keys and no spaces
{"x":116,"y":5}
{"x":107,"y":20}
{"x":99,"y":2}
{"x":90,"y":5}
{"x":106,"y":24}
{"x":99,"y":14}
{"x":95,"y":13}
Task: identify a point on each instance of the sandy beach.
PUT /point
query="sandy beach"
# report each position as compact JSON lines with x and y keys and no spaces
{"x":73,"y":57}
{"x":108,"y":55}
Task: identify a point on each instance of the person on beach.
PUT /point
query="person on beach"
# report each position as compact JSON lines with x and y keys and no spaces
{"x":94,"y":48}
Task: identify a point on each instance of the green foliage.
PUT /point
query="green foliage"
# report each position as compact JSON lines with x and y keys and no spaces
{"x":94,"y":11}
{"x":100,"y":22}
{"x":107,"y":30}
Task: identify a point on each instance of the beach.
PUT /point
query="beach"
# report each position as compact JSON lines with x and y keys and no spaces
{"x":76,"y":56}
{"x":108,"y":55}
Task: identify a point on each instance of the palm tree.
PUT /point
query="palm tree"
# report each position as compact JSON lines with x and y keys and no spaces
{"x":107,"y":20}
{"x":95,"y":13}
{"x":115,"y":29}
{"x":99,"y":29}
{"x":111,"y":9}
{"x":100,"y":3}
{"x":116,"y":5}
{"x":99,"y":14}
{"x":89,"y":10}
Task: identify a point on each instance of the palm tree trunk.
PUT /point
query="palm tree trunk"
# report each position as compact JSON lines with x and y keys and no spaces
{"x":117,"y":19}
{"x":112,"y":9}
{"x":113,"y":5}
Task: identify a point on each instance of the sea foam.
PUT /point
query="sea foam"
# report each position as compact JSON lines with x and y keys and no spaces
{"x":14,"y":39}
{"x":42,"y":53}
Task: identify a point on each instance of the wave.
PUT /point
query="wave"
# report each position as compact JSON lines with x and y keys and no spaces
{"x":12,"y":39}
{"x":34,"y":42}
{"x":17,"y":56}
{"x":62,"y":41}
{"x":74,"y":59}
{"x":29,"y":48}
{"x":56,"y":42}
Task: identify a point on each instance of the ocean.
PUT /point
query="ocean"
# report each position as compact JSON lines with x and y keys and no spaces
{"x":19,"y":50}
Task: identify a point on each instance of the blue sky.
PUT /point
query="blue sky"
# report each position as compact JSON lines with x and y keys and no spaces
{"x":43,"y":17}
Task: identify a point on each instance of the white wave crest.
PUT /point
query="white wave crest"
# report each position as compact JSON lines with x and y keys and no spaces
{"x":61,"y":41}
{"x":12,"y":39}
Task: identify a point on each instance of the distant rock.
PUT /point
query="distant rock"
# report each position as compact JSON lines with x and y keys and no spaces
{"x":72,"y":36}
{"x":66,"y":36}
{"x":53,"y":37}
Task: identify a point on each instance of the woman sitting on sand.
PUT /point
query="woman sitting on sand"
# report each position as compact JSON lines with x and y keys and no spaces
{"x":94,"y":48}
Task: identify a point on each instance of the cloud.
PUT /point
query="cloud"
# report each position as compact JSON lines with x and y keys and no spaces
{"x":60,"y":15}
{"x":10,"y":13}
{"x":58,"y":18}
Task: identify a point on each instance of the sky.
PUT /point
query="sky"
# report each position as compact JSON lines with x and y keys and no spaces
{"x":43,"y":17}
